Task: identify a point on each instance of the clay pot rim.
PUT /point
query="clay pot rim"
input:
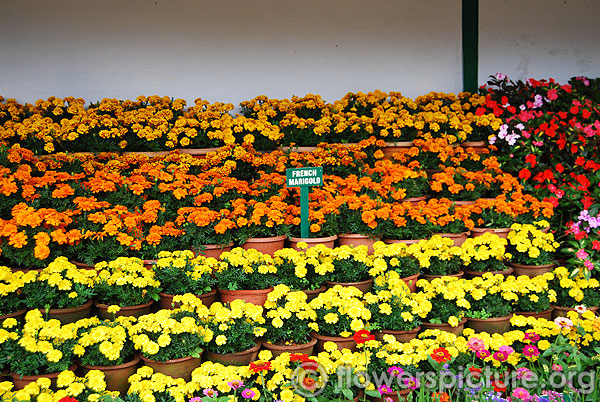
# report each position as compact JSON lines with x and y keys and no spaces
{"x":492,"y":319}
{"x":399,"y":332}
{"x":178,"y":360}
{"x":124,"y":308}
{"x":533,"y":312}
{"x":313,"y":239}
{"x":400,"y":144}
{"x":245,"y":291}
{"x":197,"y":150}
{"x":136,"y":359}
{"x":242,"y":353}
{"x":321,"y":288}
{"x":68,"y":309}
{"x":453,"y":235}
{"x":411,"y":276}
{"x":318,"y":336}
{"x":33,"y":377}
{"x":312,"y":342}
{"x":212,"y":292}
{"x":432,"y":277}
{"x":265,"y":239}
{"x":357,"y":236}
{"x":515,"y":265}
{"x":14,"y":314}
{"x":425,"y":324}
{"x":365,"y":282}
{"x":493,"y":230}
{"x":405,"y":241}
{"x":215,"y":246}
{"x":480,"y":273}
{"x":554,"y":307}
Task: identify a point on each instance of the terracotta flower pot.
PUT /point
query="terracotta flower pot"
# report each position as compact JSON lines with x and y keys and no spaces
{"x":296,"y":149}
{"x":116,"y":376}
{"x":70,"y":314}
{"x":457,"y":238}
{"x":445,"y":327}
{"x":149,"y":264}
{"x":149,"y":154}
{"x":128,"y":311}
{"x":266,"y":245}
{"x":17,"y":315}
{"x":405,"y":241}
{"x":166,"y":300}
{"x":401,"y":336}
{"x":341,"y":342}
{"x":400,"y":396}
{"x":493,"y":325}
{"x":363,"y":286}
{"x":558,"y":311}
{"x":463,"y":202}
{"x":432,"y":277}
{"x":20,"y":381}
{"x":354,"y":239}
{"x":392,"y":147}
{"x":176,"y":368}
{"x":198,"y":153}
{"x":547,"y":314}
{"x":82,"y":265}
{"x":411,"y":282}
{"x":213,"y":250}
{"x":303,"y":348}
{"x":313,"y":241}
{"x":414,"y":201}
{"x":477,"y":146}
{"x":473,"y":274}
{"x":311,"y":294}
{"x":500,"y":232}
{"x":531,"y":270}
{"x":242,"y":358}
{"x":258,"y":297}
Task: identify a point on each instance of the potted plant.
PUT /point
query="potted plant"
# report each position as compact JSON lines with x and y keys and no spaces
{"x":447,"y":296}
{"x":485,"y":253}
{"x":12,"y":283}
{"x":340,"y":313}
{"x":360,"y":225}
{"x":323,"y":224}
{"x":236,"y":327}
{"x":535,"y":298}
{"x":62,"y":291}
{"x":493,"y":216}
{"x":105,"y":346}
{"x":399,"y":182}
{"x":264,"y":226}
{"x":179,"y":272}
{"x":394,"y":310}
{"x":408,"y":223}
{"x":531,"y":250}
{"x":245,"y":274}
{"x":41,"y":348}
{"x":125,"y":282}
{"x":491,"y":298}
{"x":572,"y":292}
{"x":171,"y":341}
{"x":287,"y":317}
{"x":351,"y":267}
{"x":437,"y":257}
{"x":453,"y":221}
{"x":397,"y":258}
{"x":303,"y":269}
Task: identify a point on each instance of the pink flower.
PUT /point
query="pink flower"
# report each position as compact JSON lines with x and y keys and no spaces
{"x":531,"y":336}
{"x":411,"y":383}
{"x":552,"y":94}
{"x":581,"y":309}
{"x":581,"y":254}
{"x":520,"y":393}
{"x":384,"y":390}
{"x":395,"y":371}
{"x":523,"y":373}
{"x":211,"y":393}
{"x":500,"y":356}
{"x":588,"y":264}
{"x":531,"y":351}
{"x":563,"y":322}
{"x":196,"y":399}
{"x":483,"y":354}
{"x":235,"y":384}
{"x":475,"y":344}
{"x":557,"y":367}
{"x":248,"y":393}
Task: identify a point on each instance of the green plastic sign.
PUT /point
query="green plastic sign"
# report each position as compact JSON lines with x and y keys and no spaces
{"x":304,"y":178}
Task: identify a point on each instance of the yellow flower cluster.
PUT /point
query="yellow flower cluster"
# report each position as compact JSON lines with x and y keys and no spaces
{"x":110,"y":337}
{"x":485,"y":247}
{"x":126,"y":271}
{"x":180,"y":259}
{"x":282,"y":304}
{"x":437,"y":246}
{"x":345,"y":301}
{"x":249,"y":261}
{"x":146,"y":383}
{"x":62,"y":274}
{"x":40,"y":336}
{"x":12,"y":282}
{"x":532,"y":288}
{"x":575,"y":286}
{"x":528,"y":239}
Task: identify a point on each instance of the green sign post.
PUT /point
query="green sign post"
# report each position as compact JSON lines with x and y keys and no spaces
{"x":304,"y":178}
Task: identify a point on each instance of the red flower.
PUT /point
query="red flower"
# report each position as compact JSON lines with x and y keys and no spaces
{"x":441,"y":355}
{"x":260,"y":366}
{"x":68,"y":399}
{"x":524,"y":174}
{"x":531,"y":160}
{"x":475,"y":372}
{"x":362,"y":336}
{"x":595,"y":245}
{"x":560,"y":168}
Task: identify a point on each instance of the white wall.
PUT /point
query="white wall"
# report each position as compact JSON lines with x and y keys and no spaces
{"x":227,"y":50}
{"x":539,"y":38}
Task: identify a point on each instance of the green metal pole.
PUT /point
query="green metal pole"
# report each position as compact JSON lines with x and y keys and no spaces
{"x":304,"y":232}
{"x":470,"y":44}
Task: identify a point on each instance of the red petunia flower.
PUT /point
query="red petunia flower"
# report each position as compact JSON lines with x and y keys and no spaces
{"x":441,"y":355}
{"x":363,"y":336}
{"x":68,"y":399}
{"x":260,"y":366}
